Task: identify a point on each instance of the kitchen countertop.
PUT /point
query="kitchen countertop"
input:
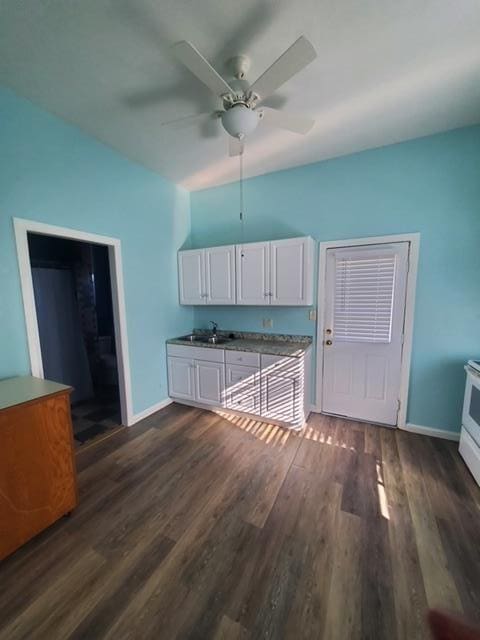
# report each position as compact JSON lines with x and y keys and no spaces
{"x":15,"y":391}
{"x":273,"y":344}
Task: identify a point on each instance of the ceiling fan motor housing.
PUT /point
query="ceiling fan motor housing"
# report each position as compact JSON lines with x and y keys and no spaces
{"x":239,"y":121}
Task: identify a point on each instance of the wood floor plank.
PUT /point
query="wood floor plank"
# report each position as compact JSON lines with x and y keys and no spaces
{"x":229,"y":630}
{"x":344,"y":609}
{"x":440,"y":587}
{"x":194,"y":525}
{"x":53,"y":604}
{"x":455,"y":520}
{"x":408,"y":588}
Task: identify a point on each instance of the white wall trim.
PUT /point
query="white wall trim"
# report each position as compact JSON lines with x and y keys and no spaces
{"x":22,"y":228}
{"x":414,"y":240}
{"x":430,"y":431}
{"x":148,"y":412}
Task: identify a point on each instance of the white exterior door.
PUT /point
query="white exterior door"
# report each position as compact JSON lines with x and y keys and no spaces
{"x":220,"y":275}
{"x":210,"y":382}
{"x":364,"y":314}
{"x":291,"y":271}
{"x":253,"y":273}
{"x":180,"y":378}
{"x":191,"y":276}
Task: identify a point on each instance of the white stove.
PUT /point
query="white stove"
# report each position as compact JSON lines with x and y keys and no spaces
{"x":474,"y":364}
{"x":470,"y":434}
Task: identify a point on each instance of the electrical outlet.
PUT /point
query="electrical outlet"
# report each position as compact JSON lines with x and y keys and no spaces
{"x":312,"y":314}
{"x":267,"y":323}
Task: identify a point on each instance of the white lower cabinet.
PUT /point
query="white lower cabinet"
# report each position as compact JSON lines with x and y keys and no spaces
{"x":279,"y":398}
{"x":274,"y":388}
{"x":181,"y":382}
{"x":243,"y":388}
{"x":197,"y":374}
{"x":209,"y":383}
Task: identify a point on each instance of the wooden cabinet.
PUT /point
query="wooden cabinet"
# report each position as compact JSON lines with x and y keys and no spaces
{"x":207,"y":276}
{"x":37,"y":464}
{"x":253,"y":273}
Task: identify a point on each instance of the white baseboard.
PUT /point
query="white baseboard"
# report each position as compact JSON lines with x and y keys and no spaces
{"x":148,"y":412}
{"x":430,"y":431}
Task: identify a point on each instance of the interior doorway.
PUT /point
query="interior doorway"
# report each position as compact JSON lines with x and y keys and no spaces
{"x":366,"y":297}
{"x":73,"y":301}
{"x":112,"y":355}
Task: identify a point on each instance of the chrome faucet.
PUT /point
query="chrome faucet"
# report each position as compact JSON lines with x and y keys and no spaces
{"x":214,"y":328}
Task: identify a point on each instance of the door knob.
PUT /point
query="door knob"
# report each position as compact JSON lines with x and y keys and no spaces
{"x":328,"y":342}
{"x":328,"y":331}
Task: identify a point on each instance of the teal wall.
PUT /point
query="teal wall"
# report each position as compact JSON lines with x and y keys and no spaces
{"x":52,"y":173}
{"x":430,"y":185}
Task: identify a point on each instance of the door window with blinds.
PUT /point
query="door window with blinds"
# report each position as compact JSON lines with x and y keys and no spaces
{"x":364,"y":290}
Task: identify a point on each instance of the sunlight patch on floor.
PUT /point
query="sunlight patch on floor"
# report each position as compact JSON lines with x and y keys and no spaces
{"x":271,"y":434}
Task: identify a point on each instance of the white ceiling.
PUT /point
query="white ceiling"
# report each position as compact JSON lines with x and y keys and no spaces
{"x":387,"y":70}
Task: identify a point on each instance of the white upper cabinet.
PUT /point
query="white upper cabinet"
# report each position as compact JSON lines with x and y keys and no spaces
{"x":257,"y":274}
{"x":220,"y":275}
{"x":191,"y":276}
{"x":253,"y":273}
{"x":291,"y":271}
{"x":207,"y":276}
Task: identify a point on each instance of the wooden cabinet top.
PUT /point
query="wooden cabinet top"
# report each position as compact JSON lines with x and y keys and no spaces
{"x":14,"y":391}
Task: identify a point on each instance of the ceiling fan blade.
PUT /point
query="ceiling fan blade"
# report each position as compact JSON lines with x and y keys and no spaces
{"x":187,"y":121}
{"x":287,"y":65}
{"x":235,"y":147}
{"x":200,"y":67}
{"x":290,"y":121}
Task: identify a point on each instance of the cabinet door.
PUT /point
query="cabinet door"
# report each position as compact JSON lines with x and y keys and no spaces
{"x":180,"y":378}
{"x":210,"y":383}
{"x":243,"y":388}
{"x":220,"y":275}
{"x":291,"y":271}
{"x":279,"y":398}
{"x":253,"y":273}
{"x":191,"y":276}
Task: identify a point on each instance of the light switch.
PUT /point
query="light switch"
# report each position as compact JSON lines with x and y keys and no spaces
{"x":267,"y":323}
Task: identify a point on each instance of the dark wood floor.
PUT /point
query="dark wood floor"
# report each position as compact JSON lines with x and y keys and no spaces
{"x":192,"y":525}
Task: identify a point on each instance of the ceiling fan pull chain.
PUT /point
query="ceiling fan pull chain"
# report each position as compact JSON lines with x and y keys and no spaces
{"x":242,"y":216}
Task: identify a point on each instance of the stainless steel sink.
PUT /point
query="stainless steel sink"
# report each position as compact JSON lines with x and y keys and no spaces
{"x":194,"y":338}
{"x":205,"y":339}
{"x":215,"y":340}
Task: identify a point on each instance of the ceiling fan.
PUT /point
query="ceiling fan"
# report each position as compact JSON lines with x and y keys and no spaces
{"x":243,"y":103}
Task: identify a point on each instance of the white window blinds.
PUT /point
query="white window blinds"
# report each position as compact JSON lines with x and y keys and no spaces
{"x":364,"y":289}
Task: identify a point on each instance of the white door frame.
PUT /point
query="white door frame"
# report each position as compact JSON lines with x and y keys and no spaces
{"x":22,"y":228}
{"x":414,"y":240}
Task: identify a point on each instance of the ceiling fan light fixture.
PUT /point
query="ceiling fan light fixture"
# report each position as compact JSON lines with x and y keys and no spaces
{"x":239,"y":121}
